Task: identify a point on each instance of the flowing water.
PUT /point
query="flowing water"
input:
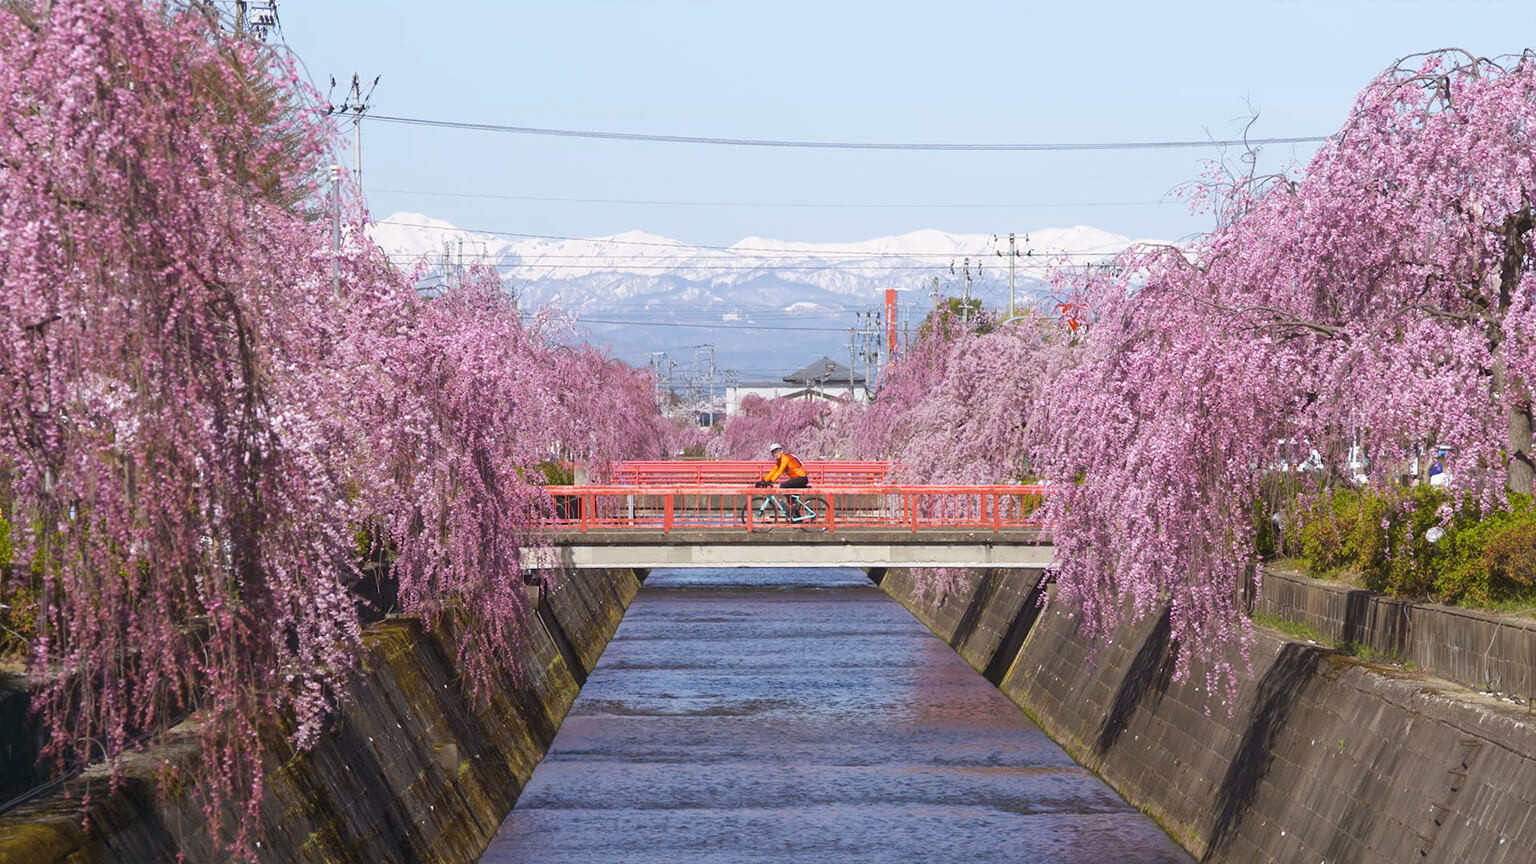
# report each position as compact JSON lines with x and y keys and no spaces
{"x":801,"y":715}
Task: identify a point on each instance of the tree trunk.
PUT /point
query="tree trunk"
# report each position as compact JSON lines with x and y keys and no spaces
{"x":1521,"y":468}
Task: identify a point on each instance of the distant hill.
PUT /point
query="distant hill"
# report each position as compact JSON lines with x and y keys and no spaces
{"x":767,"y":305}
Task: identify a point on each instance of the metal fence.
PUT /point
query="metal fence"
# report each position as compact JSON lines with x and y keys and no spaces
{"x":837,"y":508}
{"x":714,"y":473}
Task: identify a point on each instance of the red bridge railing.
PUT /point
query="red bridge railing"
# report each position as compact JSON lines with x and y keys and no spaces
{"x":743,"y":473}
{"x":840,"y":508}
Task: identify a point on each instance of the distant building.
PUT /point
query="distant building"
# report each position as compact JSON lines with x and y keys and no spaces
{"x":823,"y":379}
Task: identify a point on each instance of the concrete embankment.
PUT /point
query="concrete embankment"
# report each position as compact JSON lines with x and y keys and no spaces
{"x":413,"y":770}
{"x":1321,"y":758}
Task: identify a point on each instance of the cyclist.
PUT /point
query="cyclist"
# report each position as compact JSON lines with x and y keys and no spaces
{"x":787,"y":466}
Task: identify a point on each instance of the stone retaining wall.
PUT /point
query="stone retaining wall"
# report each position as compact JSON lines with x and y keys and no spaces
{"x":414,"y":770}
{"x":1322,"y":758}
{"x":19,"y":738}
{"x":1482,"y":650}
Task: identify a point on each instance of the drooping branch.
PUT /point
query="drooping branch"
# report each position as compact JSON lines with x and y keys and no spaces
{"x":1280,"y":319}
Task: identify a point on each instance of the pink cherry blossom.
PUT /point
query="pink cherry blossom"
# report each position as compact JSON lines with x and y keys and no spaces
{"x":205,"y":405}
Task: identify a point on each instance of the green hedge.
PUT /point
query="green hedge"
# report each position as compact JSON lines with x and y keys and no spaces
{"x":556,"y":473}
{"x":18,"y":600}
{"x":1377,"y":537}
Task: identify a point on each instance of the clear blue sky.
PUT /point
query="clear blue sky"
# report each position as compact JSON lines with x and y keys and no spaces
{"x":958,"y":71}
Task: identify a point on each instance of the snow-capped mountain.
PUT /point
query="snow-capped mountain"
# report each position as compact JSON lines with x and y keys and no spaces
{"x":764,"y":303}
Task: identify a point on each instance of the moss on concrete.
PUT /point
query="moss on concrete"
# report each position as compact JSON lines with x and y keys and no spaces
{"x":414,"y":769}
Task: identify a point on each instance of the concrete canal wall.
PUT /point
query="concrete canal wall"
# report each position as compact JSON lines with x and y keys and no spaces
{"x":1481,"y":650}
{"x":414,"y":770}
{"x":1323,"y":757}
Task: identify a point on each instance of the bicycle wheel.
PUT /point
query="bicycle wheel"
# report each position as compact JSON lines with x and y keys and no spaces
{"x":813,"y":513}
{"x":766,"y":512}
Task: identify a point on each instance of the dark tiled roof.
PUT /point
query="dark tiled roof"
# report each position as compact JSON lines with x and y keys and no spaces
{"x":819,"y":371}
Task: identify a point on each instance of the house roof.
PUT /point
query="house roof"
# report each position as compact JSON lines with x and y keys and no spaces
{"x":824,"y":369}
{"x":761,"y":385}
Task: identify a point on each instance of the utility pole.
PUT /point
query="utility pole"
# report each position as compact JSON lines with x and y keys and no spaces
{"x":657,"y":359}
{"x":850,"y":367}
{"x":873,"y":360}
{"x":966,"y":302}
{"x":356,"y":104}
{"x":711,"y":384}
{"x":248,"y":18}
{"x":336,"y":231}
{"x":1013,"y":252}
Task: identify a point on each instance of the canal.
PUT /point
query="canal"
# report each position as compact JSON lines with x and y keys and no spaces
{"x":801,"y":715}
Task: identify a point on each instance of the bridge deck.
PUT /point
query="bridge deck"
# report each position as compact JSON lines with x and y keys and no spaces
{"x":855,"y":547}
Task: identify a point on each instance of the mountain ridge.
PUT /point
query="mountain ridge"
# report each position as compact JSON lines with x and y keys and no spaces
{"x":766,"y":303}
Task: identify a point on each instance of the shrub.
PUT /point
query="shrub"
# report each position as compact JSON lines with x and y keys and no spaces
{"x":557,"y":473}
{"x":1494,"y":559}
{"x":18,"y":600}
{"x":1344,"y":533}
{"x":18,"y":620}
{"x":1378,"y":537}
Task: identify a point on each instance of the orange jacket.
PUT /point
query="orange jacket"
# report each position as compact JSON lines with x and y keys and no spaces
{"x":787,"y":466}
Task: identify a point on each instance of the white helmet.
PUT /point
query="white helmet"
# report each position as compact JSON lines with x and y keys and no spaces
{"x":773,"y":448}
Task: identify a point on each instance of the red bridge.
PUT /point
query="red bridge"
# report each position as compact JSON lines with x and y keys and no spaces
{"x":710,"y":514}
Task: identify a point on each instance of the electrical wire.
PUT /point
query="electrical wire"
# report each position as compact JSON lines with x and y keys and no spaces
{"x":724,"y":268}
{"x":683,"y":258}
{"x":870,"y":268}
{"x":810,"y":205}
{"x":701,"y":326}
{"x":836,"y":145}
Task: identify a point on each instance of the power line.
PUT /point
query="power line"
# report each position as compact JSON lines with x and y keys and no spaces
{"x":839,"y":145}
{"x":719,"y":268}
{"x":716,"y":316}
{"x":789,"y":205}
{"x":682,"y":259}
{"x":598,"y":262}
{"x":616,"y":266}
{"x":712,"y":326}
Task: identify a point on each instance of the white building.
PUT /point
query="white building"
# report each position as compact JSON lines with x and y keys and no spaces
{"x":823,"y":379}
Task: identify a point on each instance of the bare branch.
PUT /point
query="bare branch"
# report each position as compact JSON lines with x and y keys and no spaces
{"x":1281,"y":318}
{"x":1434,"y":312}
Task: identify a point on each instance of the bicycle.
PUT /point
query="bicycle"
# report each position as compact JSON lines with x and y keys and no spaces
{"x":768,"y":509}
